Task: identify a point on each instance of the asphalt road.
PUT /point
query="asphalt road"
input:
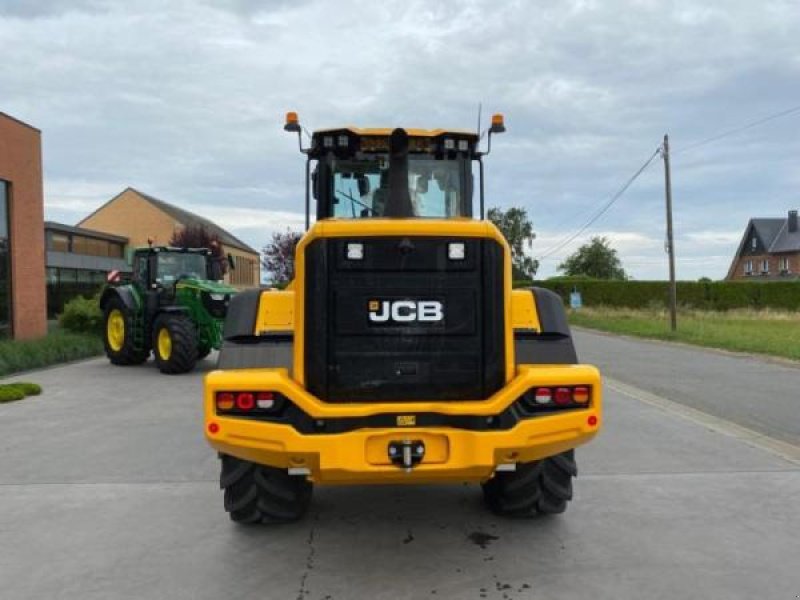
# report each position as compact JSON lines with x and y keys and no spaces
{"x":107,"y":490}
{"x":759,"y":393}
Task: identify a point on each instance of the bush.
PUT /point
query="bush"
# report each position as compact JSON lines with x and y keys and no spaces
{"x":82,"y":315}
{"x":10,"y":393}
{"x":29,"y":389}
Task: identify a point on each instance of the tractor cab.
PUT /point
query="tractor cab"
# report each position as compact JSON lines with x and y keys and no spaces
{"x":163,"y":266}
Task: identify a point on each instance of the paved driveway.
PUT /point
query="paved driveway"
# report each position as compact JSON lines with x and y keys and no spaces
{"x":759,"y":393}
{"x":107,"y":490}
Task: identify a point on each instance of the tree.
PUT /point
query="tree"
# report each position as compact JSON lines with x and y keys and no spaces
{"x":278,"y":255}
{"x":596,"y":259}
{"x":198,"y":236}
{"x":517,"y":228}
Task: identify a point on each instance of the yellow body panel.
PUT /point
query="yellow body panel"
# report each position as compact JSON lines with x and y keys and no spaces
{"x":523,"y":311}
{"x":275,"y":312}
{"x":359,"y":456}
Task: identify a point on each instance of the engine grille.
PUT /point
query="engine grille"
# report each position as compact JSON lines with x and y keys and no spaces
{"x":215,"y":304}
{"x":352,"y":356}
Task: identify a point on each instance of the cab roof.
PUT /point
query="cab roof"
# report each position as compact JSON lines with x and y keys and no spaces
{"x":387,"y":131}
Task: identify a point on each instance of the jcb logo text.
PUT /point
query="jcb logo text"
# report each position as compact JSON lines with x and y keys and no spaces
{"x":405,"y":311}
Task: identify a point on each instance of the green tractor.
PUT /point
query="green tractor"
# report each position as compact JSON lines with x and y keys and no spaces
{"x":174,"y":305}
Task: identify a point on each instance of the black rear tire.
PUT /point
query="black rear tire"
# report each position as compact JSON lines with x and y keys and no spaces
{"x":539,"y":488}
{"x":127,"y":354}
{"x":259,"y":494}
{"x":182,"y":354}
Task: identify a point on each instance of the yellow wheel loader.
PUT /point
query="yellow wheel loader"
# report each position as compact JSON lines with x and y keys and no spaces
{"x":400,"y":352}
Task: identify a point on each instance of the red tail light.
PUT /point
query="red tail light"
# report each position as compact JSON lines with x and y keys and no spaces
{"x":251,"y":403}
{"x":563,"y":395}
{"x":547,"y":399}
{"x":245,"y":401}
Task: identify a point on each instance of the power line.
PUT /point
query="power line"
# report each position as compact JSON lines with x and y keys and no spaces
{"x":603,"y":209}
{"x":739,"y":129}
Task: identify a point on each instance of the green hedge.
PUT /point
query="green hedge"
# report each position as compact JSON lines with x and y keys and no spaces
{"x":711,"y":295}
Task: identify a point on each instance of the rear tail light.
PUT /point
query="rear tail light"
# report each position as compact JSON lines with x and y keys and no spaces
{"x":265,"y":400}
{"x":247,"y":402}
{"x":555,"y":398}
{"x":580,"y":395}
{"x":563,"y":396}
{"x":225,"y":401}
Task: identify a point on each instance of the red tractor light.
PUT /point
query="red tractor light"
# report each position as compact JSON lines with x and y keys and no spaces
{"x":225,"y":401}
{"x":245,"y":401}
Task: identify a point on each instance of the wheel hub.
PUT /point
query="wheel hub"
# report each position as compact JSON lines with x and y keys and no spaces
{"x":164,"y":344}
{"x":115,"y":330}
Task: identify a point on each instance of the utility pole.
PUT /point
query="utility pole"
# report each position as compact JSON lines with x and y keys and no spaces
{"x":673,"y":288}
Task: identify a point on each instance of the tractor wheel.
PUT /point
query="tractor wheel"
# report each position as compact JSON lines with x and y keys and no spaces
{"x":542,"y":487}
{"x":118,"y":338}
{"x":258,"y":494}
{"x":174,"y":343}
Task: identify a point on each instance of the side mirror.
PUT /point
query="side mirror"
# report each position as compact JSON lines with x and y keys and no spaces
{"x":231,"y":262}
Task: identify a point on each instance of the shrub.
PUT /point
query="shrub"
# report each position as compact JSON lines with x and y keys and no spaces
{"x":29,"y":389}
{"x":82,"y":315}
{"x":9,"y":393}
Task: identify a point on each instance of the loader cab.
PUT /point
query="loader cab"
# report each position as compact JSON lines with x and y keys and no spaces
{"x":380,"y":173}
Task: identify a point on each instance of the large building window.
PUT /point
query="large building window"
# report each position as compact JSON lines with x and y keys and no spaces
{"x":5,"y":263}
{"x":65,"y":284}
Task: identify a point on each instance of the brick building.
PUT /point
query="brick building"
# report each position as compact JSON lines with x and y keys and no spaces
{"x":770,"y":249}
{"x":140,"y":217}
{"x":22,"y":282}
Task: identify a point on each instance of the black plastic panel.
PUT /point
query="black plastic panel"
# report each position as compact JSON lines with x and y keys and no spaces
{"x":352,"y":357}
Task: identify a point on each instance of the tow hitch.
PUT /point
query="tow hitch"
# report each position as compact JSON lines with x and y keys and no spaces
{"x":406,"y":454}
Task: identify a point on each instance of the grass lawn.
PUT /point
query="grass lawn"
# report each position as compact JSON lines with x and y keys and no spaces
{"x":765,"y":332}
{"x":57,"y":347}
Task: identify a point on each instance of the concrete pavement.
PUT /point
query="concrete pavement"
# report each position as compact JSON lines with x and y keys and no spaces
{"x":107,"y":490}
{"x":754,"y":392}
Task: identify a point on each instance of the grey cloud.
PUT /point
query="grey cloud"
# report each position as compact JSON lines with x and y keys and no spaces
{"x":185,"y":99}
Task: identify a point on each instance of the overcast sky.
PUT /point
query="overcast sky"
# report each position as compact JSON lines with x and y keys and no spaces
{"x":185,"y":101}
